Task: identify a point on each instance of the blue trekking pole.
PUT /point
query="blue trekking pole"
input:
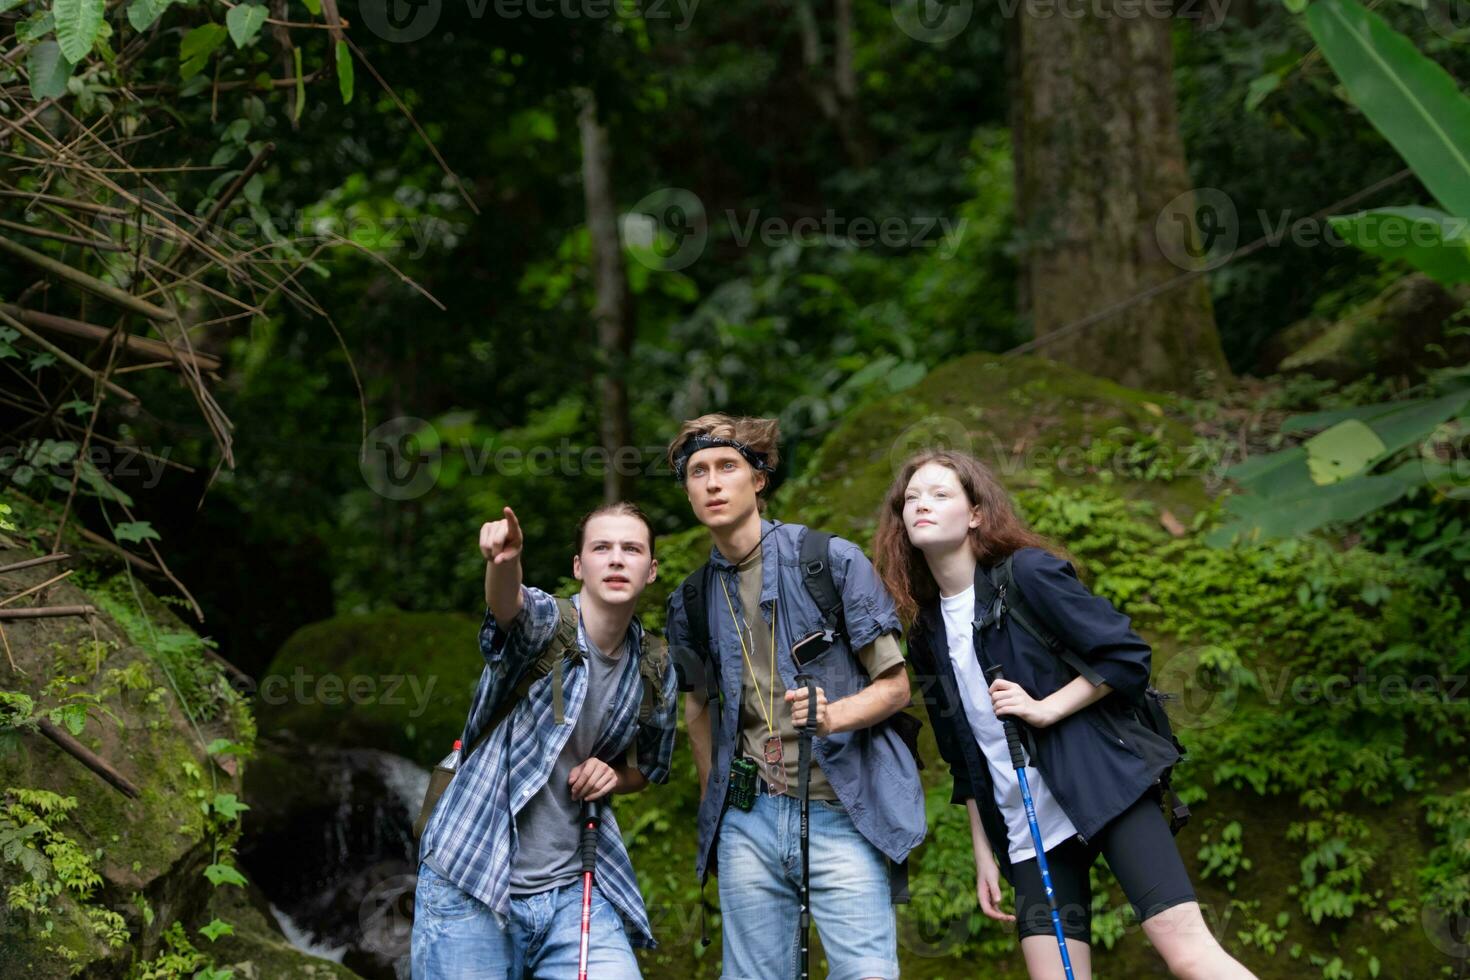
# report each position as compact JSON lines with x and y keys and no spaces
{"x":1018,"y":761}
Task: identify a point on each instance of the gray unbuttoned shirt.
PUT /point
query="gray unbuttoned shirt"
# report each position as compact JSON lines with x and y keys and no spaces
{"x":547,"y":829}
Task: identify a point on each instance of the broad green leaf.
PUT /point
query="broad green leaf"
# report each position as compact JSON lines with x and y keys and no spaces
{"x":1407,"y":97}
{"x":344,"y":71}
{"x":73,"y":716}
{"x":1256,"y":518}
{"x":49,"y":70}
{"x":143,"y":13}
{"x":9,"y":5}
{"x":1346,"y":449}
{"x":223,"y":874}
{"x":223,"y":746}
{"x":227,"y":804}
{"x":134,"y":531}
{"x":1260,"y":88}
{"x":1363,"y":413}
{"x":1280,"y":471}
{"x":196,"y":46}
{"x":236,"y":131}
{"x":78,"y":23}
{"x":315,"y":6}
{"x":244,"y":21}
{"x":1431,"y":241}
{"x":34,"y":27}
{"x":215,"y":929}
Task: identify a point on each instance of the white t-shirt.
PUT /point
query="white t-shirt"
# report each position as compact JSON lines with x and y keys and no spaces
{"x":959,"y":613}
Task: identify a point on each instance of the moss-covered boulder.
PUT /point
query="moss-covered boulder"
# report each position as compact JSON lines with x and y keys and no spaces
{"x":395,"y":681}
{"x":1412,"y":325}
{"x":95,"y":879}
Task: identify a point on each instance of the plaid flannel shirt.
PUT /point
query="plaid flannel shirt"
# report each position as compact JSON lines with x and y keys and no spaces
{"x":471,"y":836}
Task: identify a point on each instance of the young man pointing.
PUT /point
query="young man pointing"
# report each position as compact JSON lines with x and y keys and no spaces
{"x":500,"y":884}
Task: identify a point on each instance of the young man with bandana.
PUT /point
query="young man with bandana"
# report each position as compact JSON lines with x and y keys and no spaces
{"x":867,"y":809}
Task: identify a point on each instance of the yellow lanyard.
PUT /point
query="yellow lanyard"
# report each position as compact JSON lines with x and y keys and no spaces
{"x":771,"y":714}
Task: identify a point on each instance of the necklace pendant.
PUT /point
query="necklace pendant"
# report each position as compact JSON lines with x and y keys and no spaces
{"x":775,"y":765}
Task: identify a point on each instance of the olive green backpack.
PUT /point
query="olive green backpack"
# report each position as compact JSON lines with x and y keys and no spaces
{"x":563,"y":647}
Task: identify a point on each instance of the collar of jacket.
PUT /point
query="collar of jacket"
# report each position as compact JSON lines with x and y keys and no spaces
{"x":774,"y":535}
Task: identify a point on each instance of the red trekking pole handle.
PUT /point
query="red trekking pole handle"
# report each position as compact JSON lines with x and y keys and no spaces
{"x":590,"y":819}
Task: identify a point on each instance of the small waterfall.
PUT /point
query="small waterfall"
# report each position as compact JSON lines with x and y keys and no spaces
{"x":329,"y":841}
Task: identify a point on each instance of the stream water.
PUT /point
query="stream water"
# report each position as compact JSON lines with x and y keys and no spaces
{"x":333,"y":852}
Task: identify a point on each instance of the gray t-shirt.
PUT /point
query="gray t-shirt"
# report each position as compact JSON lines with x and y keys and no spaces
{"x":548,"y":834}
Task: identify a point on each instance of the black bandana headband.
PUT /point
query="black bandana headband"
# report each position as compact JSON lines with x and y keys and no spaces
{"x":700,"y":441}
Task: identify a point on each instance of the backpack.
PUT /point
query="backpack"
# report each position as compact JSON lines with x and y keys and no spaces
{"x":816,"y":570}
{"x":563,"y":648}
{"x":1150,"y":711}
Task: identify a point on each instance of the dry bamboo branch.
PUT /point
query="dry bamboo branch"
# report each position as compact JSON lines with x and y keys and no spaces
{"x":87,"y":757}
{"x":83,"y":281}
{"x":142,"y":346}
{"x":46,"y":612}
{"x":33,"y":562}
{"x":37,"y":588}
{"x":66,"y":358}
{"x":57,"y":236}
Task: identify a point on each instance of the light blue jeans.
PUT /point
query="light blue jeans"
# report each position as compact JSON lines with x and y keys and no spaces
{"x":760,"y":880}
{"x":458,"y":937}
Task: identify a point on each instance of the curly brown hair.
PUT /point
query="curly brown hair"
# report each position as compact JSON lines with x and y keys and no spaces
{"x":1002,"y":531}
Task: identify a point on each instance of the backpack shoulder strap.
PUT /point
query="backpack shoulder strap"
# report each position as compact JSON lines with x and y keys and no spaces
{"x":695,"y":589}
{"x":563,"y":646}
{"x":652,"y":663}
{"x":816,"y":572}
{"x":1003,"y":580}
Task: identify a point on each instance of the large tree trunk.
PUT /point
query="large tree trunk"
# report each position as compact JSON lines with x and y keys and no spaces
{"x":1098,"y":160}
{"x":834,"y":89}
{"x":612,"y":308}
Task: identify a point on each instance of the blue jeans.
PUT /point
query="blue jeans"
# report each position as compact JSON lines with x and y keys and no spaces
{"x":458,"y":937}
{"x":759,"y":857}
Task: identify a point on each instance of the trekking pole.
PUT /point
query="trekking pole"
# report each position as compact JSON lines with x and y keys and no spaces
{"x":803,"y":783}
{"x":1018,"y":762}
{"x":591,"y":818}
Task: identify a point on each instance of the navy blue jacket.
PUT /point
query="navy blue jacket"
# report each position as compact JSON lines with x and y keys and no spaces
{"x":1098,"y":761}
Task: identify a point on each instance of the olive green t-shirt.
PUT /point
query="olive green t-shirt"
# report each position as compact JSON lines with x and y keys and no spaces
{"x":757,"y":696}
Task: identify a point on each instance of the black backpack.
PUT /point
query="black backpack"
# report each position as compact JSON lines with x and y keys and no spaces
{"x":816,"y":570}
{"x":1150,"y":711}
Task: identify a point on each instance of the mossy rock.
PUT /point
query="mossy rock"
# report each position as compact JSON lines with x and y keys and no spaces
{"x":1405,"y":330}
{"x":257,"y":949}
{"x":1018,"y":415}
{"x":149,"y":851}
{"x":396,"y":681}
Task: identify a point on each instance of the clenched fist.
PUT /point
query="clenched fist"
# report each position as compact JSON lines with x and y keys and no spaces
{"x":501,"y":541}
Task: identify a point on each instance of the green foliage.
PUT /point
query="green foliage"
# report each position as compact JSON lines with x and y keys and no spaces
{"x":200,"y":683}
{"x":177,"y":960}
{"x":1366,"y":458}
{"x":55,"y":872}
{"x":1409,"y":98}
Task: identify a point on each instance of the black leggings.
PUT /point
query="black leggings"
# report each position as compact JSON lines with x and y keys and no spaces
{"x":1141,"y":854}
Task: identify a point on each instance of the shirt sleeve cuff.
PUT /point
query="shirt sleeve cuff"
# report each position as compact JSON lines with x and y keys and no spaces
{"x":1127,"y":678}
